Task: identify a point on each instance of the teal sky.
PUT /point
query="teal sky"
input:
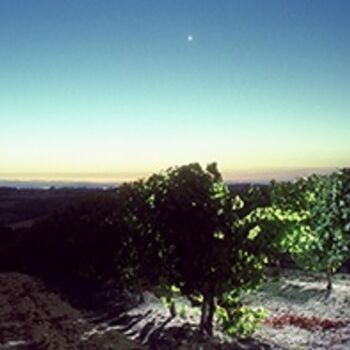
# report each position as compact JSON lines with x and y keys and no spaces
{"x":113,"y":89}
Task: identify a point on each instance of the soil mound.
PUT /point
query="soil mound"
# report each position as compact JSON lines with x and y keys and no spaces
{"x":33,"y":317}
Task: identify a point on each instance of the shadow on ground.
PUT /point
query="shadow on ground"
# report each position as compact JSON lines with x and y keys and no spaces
{"x":300,"y":293}
{"x":149,"y":323}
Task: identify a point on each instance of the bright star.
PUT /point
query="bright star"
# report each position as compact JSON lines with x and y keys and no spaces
{"x":190,"y":38}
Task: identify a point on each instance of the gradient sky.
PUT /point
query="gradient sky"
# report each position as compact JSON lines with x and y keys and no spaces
{"x":113,"y":89}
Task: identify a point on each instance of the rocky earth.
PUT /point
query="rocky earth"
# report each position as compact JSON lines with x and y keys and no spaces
{"x":71,"y":315}
{"x":303,"y":314}
{"x":34,"y":318}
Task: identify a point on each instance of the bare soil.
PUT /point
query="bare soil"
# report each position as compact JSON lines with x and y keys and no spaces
{"x":302,"y":315}
{"x":34,"y":318}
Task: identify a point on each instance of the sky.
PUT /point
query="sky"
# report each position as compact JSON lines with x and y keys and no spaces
{"x":119,"y":89}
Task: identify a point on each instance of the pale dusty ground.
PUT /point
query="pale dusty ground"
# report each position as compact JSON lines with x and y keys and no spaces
{"x":32,"y":317}
{"x":302,"y":294}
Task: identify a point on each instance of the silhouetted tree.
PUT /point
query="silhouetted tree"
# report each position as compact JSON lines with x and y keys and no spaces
{"x":207,"y":249}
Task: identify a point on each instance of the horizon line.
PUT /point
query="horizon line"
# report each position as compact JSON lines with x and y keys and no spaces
{"x":229,"y":176}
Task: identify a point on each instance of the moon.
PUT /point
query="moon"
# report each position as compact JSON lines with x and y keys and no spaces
{"x":189,"y":38}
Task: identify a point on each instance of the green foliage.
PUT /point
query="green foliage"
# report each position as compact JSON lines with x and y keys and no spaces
{"x":344,"y":199}
{"x":208,"y":250}
{"x":324,"y":245}
{"x":237,"y":319}
{"x":183,"y":311}
{"x":306,"y":220}
{"x":255,"y":197}
{"x":141,"y":252}
{"x":279,"y":227}
{"x":168,"y":295}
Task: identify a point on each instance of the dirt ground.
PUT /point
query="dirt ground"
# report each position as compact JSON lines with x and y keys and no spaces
{"x":301,"y":315}
{"x":34,"y":318}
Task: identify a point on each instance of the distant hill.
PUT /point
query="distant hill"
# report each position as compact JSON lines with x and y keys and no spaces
{"x":56,"y":184}
{"x":20,"y":207}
